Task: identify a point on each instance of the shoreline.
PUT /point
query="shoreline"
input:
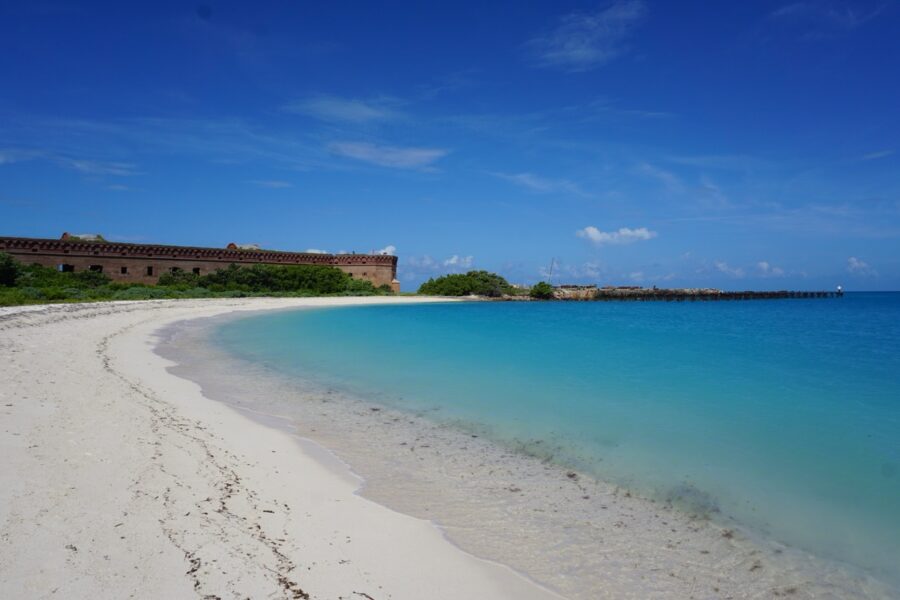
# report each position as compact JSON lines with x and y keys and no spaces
{"x":592,"y":540}
{"x":120,"y":479}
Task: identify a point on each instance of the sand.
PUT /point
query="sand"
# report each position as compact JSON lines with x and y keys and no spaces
{"x":121,"y":480}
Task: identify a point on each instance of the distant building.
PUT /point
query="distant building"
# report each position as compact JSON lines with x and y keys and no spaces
{"x":82,"y":237}
{"x":144,"y":263}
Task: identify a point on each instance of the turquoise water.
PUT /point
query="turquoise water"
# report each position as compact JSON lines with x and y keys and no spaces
{"x":781,"y":414}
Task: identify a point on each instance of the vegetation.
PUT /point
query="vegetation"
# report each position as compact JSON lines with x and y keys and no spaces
{"x":9,"y":270}
{"x":34,"y":284}
{"x":541,"y":291}
{"x":479,"y":283}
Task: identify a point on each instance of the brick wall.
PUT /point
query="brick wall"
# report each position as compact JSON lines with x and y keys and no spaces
{"x":144,"y":263}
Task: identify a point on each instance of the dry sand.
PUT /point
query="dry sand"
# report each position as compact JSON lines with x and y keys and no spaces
{"x":120,"y":480}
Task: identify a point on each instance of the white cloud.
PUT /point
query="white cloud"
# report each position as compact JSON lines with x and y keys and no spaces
{"x":388,"y":156}
{"x":857,"y":266}
{"x":767,"y":270}
{"x":584,"y":41}
{"x":623,"y":236}
{"x":723,"y":267}
{"x":636,"y":276}
{"x":118,"y":187}
{"x":315,"y":251}
{"x":389,"y":249}
{"x":540,"y":184}
{"x":333,"y":108}
{"x":272,"y":184}
{"x":463,"y":262}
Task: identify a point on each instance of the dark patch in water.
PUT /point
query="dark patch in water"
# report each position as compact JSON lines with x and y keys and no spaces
{"x":687,"y":497}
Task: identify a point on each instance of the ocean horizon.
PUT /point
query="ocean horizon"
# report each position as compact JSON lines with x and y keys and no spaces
{"x":781,"y":415}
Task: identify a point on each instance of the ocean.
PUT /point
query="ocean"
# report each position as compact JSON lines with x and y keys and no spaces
{"x":781,"y":415}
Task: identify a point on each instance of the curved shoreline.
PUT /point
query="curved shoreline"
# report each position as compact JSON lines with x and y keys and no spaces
{"x":120,"y":479}
{"x":592,"y":539}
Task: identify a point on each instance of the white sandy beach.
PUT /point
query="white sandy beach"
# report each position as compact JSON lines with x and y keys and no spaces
{"x":120,"y":480}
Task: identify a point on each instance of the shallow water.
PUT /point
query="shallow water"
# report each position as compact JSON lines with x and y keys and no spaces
{"x":784,"y":415}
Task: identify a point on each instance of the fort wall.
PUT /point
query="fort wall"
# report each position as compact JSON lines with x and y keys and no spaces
{"x":144,"y":263}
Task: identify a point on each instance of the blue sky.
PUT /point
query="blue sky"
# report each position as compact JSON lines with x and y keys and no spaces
{"x":738,"y":145}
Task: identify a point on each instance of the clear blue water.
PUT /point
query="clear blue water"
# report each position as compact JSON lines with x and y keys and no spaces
{"x":781,"y":414}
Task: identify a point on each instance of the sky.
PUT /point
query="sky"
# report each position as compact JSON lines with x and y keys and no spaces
{"x":740,"y":145}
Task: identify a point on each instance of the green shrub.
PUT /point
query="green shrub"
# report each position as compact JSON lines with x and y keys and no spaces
{"x":541,"y":291}
{"x":142,"y":293}
{"x":182,"y":278}
{"x":479,"y":283}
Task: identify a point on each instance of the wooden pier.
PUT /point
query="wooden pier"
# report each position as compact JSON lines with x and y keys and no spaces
{"x":681,"y":295}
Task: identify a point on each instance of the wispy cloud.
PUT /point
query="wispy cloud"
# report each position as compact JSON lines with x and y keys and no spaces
{"x":723,"y":267}
{"x":118,"y":187}
{"x":607,"y":106}
{"x":315,"y":251}
{"x":876,"y":155}
{"x":733,"y":162}
{"x":218,"y":140}
{"x":389,"y":250}
{"x":711,"y":195}
{"x":857,"y":266}
{"x":623,"y":235}
{"x":14,"y":155}
{"x":826,"y":19}
{"x":388,"y":156}
{"x":669,"y":180}
{"x":83,"y":165}
{"x":584,"y":41}
{"x":334,"y":108}
{"x":274,"y":184}
{"x":540,"y":184}
{"x":97,"y":167}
